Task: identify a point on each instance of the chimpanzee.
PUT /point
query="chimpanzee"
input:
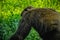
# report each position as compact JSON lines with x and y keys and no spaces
{"x":45,"y":21}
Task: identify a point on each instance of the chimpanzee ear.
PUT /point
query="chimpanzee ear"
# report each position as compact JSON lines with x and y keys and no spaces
{"x":26,"y":9}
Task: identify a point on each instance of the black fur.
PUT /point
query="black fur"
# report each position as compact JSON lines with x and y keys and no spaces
{"x":44,"y":20}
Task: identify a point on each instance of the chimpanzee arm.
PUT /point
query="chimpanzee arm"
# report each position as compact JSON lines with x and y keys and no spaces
{"x":22,"y":31}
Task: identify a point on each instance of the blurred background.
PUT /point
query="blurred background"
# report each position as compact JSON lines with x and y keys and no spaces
{"x":10,"y":14}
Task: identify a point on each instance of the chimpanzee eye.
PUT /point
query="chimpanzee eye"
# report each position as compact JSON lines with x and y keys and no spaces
{"x":55,"y":24}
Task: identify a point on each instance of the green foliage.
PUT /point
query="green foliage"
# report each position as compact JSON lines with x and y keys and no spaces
{"x":33,"y":35}
{"x":10,"y":11}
